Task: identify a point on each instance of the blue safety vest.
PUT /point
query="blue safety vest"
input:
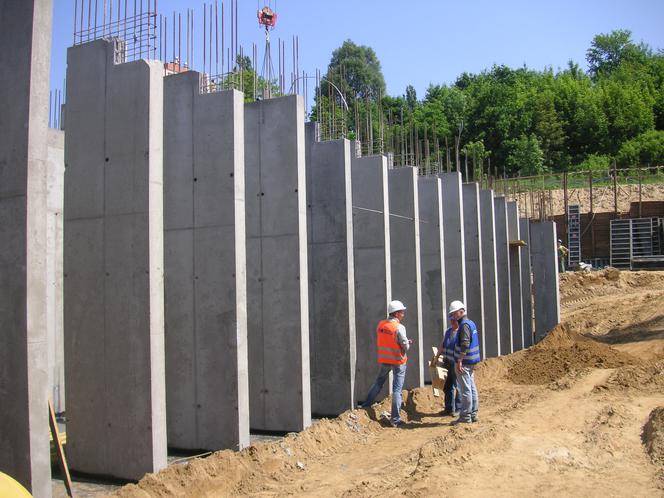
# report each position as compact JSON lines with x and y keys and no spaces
{"x":473,"y":353}
{"x":449,"y":340}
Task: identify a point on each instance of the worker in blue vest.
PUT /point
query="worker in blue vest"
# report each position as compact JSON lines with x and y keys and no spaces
{"x":466,"y":356}
{"x":446,"y":350}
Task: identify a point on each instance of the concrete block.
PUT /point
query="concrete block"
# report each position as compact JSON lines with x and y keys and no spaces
{"x":491,"y":345}
{"x":455,"y":261}
{"x":405,"y":263}
{"x":432,"y":264}
{"x":207,"y":385}
{"x":503,"y":280}
{"x":473,"y":246}
{"x":54,"y":260}
{"x":25,"y":31}
{"x":371,"y":253}
{"x":113,"y":264}
{"x":515,"y":276}
{"x":331,"y":274}
{"x":526,"y":284}
{"x":546,"y":291}
{"x":277,"y":273}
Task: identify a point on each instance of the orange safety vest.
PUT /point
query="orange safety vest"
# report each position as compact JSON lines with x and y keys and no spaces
{"x":389,"y":350}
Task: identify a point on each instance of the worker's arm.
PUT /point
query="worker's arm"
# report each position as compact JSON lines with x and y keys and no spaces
{"x":402,"y":339}
{"x":465,"y":336}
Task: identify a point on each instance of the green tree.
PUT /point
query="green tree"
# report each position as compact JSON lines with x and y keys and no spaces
{"x":525,"y":156}
{"x":647,"y":148}
{"x":356,"y":70}
{"x":608,"y":51}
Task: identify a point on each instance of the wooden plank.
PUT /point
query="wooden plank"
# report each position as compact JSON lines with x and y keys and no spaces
{"x":62,"y":460}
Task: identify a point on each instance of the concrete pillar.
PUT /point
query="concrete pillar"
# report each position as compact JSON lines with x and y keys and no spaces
{"x":432,"y":264}
{"x":491,"y":344}
{"x":207,"y":386}
{"x":515,"y":276}
{"x":277,"y":274}
{"x":113,"y":243}
{"x":54,"y":245}
{"x":455,"y":261}
{"x":371,"y":253}
{"x":473,"y":246}
{"x":503,"y":265}
{"x":25,"y":32}
{"x":526,"y":284}
{"x":331,"y":274}
{"x":405,"y":263}
{"x":546,"y":290}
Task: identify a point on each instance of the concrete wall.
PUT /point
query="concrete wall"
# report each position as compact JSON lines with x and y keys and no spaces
{"x":455,"y":261}
{"x":277,"y":274}
{"x":54,"y":256}
{"x":473,"y":246}
{"x":432,"y":264}
{"x":25,"y":32}
{"x":503,"y":265}
{"x":331,"y":274}
{"x":405,"y":263}
{"x":371,"y":253}
{"x":515,"y":276}
{"x":114,"y":309}
{"x":526,"y":284}
{"x":207,"y":387}
{"x":491,"y":344}
{"x":546,"y":289}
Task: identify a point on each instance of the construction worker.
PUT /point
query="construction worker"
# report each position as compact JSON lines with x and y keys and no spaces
{"x":393,"y":343}
{"x":446,"y":350}
{"x":562,"y":256}
{"x":466,"y":356}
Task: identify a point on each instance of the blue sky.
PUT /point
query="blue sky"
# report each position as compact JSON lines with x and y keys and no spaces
{"x":420,"y":42}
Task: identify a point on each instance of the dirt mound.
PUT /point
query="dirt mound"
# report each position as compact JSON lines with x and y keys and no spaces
{"x":580,"y":285}
{"x":653,"y":435}
{"x":647,"y":377}
{"x":561,"y":352}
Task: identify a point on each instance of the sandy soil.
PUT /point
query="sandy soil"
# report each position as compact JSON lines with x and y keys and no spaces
{"x":580,"y":414}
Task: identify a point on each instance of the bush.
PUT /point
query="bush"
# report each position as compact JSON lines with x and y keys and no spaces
{"x":647,"y":148}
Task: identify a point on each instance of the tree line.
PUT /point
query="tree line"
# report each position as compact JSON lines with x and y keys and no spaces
{"x":505,"y":120}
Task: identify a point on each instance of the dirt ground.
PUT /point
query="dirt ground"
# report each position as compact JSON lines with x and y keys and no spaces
{"x":579,"y":414}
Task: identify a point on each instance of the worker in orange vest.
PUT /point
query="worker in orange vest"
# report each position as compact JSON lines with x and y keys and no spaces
{"x":393,"y":343}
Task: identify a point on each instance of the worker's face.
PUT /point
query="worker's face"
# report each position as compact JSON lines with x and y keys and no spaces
{"x":399,"y":315}
{"x":458,"y":314}
{"x":453,"y":322}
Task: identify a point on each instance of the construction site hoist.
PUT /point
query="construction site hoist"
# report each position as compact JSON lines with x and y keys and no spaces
{"x":267,"y":17}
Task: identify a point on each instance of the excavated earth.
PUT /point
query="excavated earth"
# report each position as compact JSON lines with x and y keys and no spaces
{"x":579,"y":414}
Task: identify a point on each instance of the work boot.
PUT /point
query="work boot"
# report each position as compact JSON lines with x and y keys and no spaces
{"x":460,"y":421}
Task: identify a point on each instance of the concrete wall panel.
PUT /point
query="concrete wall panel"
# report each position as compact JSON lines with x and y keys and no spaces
{"x":405,"y":263}
{"x":526,"y":284}
{"x":113,"y":264}
{"x":277,"y":273}
{"x":331,"y":274}
{"x":455,"y":261}
{"x":371,"y":250}
{"x":25,"y":31}
{"x":515,"y":276}
{"x":473,"y":246}
{"x":205,"y":267}
{"x":546,"y":289}
{"x":503,"y":280}
{"x":432,"y":261}
{"x":491,"y":346}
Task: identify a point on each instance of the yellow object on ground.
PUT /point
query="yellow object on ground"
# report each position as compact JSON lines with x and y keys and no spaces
{"x":438,"y":375}
{"x":10,"y":488}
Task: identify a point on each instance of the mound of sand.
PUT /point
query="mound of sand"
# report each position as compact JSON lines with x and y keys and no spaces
{"x":561,"y":352}
{"x":653,"y":435}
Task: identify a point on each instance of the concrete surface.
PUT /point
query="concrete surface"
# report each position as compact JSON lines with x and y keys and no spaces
{"x":473,"y":246}
{"x":515,"y":276}
{"x":544,"y":250}
{"x":277,"y":273}
{"x":432,"y":264}
{"x":54,"y":257}
{"x":503,"y":265}
{"x":526,"y":284}
{"x":371,"y":250}
{"x":25,"y":32}
{"x":113,"y":264}
{"x":331,"y":274}
{"x":405,"y":264}
{"x":455,"y":260}
{"x":491,"y":345}
{"x":205,"y":284}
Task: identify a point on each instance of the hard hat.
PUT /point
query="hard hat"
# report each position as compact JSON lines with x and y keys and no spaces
{"x":395,"y":306}
{"x":456,"y":306}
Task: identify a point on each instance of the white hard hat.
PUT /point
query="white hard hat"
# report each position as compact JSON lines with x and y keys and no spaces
{"x":456,"y":306}
{"x":395,"y":306}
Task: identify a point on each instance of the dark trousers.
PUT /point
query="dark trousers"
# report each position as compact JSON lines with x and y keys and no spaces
{"x":451,"y":390}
